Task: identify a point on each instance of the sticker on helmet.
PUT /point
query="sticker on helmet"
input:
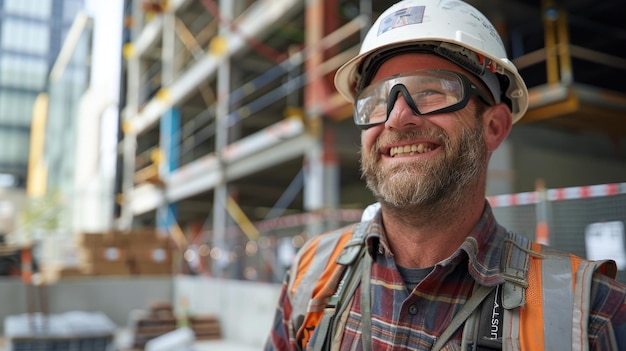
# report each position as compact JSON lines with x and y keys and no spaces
{"x":401,"y":18}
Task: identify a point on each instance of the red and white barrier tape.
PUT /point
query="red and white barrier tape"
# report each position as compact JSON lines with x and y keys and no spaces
{"x":573,"y":193}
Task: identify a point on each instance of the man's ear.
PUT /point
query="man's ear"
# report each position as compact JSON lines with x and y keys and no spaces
{"x":497,"y":125}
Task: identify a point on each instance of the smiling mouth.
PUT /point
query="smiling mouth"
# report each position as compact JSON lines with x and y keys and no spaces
{"x":408,"y":150}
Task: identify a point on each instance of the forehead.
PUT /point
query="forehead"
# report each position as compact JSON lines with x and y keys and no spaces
{"x":412,"y":61}
{"x":407,"y":62}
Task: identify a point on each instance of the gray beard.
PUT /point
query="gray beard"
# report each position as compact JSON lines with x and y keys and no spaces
{"x":432,"y":187}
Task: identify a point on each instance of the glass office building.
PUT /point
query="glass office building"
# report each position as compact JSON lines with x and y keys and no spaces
{"x":31,"y":35}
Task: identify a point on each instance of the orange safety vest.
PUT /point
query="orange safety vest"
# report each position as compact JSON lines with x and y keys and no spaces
{"x":533,"y":274}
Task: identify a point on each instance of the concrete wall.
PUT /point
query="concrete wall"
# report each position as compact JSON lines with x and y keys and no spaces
{"x":245,"y":309}
{"x":560,"y":169}
{"x":12,"y":299}
{"x":564,"y":159}
{"x":115,"y":297}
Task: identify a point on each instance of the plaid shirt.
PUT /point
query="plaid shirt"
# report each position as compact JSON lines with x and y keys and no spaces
{"x":404,"y":320}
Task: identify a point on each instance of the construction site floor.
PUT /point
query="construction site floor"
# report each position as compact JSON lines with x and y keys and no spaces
{"x":222,"y":345}
{"x":123,"y":338}
{"x":121,"y":342}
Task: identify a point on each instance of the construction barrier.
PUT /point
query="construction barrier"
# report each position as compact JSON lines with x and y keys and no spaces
{"x":586,"y":220}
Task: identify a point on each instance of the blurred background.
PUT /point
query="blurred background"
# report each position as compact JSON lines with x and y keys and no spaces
{"x":162,"y":161}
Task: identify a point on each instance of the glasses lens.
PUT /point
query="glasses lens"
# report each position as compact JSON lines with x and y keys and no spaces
{"x":431,"y":91}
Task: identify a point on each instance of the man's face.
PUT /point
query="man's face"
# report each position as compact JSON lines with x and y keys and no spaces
{"x":413,"y":160}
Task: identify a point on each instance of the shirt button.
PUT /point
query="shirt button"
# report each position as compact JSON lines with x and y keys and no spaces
{"x":413,"y":309}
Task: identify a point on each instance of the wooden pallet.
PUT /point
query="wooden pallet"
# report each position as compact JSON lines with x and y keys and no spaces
{"x":158,"y":320}
{"x":205,"y":327}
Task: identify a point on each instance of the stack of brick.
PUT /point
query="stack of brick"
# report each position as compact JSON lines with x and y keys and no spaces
{"x":149,"y":252}
{"x":147,"y":325}
{"x":104,"y":253}
{"x":115,"y":253}
{"x":205,"y":327}
{"x":137,"y":252}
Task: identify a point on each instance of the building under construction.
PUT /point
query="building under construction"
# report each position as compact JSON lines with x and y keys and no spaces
{"x":235,"y":140}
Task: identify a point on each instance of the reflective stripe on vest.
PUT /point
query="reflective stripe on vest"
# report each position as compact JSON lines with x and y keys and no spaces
{"x":315,"y":279}
{"x":556,"y":310}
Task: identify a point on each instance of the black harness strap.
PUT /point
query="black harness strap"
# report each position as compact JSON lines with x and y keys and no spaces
{"x":466,"y":311}
{"x":490,"y":323}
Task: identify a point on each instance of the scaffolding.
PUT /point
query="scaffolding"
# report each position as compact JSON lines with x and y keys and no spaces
{"x":224,"y":112}
{"x":231,"y":120}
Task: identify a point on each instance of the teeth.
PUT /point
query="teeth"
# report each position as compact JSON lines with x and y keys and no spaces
{"x":409,"y":149}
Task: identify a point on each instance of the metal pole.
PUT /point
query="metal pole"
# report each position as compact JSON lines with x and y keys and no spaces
{"x":563,"y":44}
{"x":220,"y":195}
{"x":313,"y":97}
{"x":550,"y":15}
{"x":542,"y":212}
{"x":366,"y":10}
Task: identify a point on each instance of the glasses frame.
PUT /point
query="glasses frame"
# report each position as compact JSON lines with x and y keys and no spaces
{"x":469,"y":89}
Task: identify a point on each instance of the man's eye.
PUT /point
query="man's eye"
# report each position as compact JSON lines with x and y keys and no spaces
{"x":378,"y":114}
{"x":374,"y":103}
{"x":429,"y":100}
{"x":426,"y":96}
{"x":428,"y":93}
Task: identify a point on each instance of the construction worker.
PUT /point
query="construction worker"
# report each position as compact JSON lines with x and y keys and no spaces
{"x":435,"y":95}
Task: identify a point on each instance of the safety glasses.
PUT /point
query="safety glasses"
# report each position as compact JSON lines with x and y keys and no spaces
{"x":426,"y":92}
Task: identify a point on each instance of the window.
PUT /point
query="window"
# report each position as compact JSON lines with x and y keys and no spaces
{"x":26,"y":72}
{"x":16,"y":108}
{"x":13,"y":146}
{"x":25,"y":36}
{"x":29,"y":8}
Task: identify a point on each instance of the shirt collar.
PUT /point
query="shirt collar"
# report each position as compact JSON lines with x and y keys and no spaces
{"x":483,"y":247}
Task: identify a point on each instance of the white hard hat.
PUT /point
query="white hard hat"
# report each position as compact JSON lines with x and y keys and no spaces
{"x":450,"y":28}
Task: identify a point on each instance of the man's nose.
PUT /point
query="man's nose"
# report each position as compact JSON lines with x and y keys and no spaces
{"x":402,"y":116}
